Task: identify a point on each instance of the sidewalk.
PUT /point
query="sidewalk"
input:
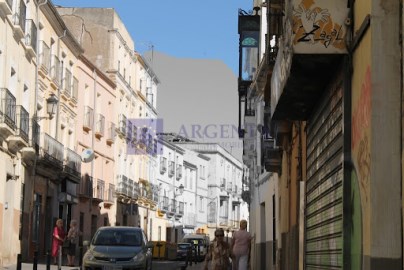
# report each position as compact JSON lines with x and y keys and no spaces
{"x":30,"y":266}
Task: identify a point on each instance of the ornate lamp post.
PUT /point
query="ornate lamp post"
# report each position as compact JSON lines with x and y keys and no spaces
{"x":249,"y":31}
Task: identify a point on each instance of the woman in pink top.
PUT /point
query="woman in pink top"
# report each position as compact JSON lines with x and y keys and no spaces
{"x":240,"y":247}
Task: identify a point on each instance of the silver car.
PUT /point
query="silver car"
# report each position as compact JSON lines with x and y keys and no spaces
{"x":118,"y":248}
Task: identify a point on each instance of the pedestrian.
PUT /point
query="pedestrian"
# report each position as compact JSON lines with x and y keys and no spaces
{"x":240,"y":247}
{"x":218,"y":256}
{"x":72,"y":236}
{"x":58,"y":237}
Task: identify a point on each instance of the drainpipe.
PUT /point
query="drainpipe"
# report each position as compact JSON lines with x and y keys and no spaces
{"x":34,"y":117}
{"x":347,"y":143}
{"x":37,"y":58}
{"x":58,"y":93}
{"x":93,"y":121}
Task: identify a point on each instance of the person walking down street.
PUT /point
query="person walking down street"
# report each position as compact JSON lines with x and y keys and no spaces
{"x":72,"y":236}
{"x":218,"y":257}
{"x":240,"y":247}
{"x":58,"y":237}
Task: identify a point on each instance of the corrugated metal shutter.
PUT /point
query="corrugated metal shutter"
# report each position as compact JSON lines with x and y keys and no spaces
{"x":324,"y":199}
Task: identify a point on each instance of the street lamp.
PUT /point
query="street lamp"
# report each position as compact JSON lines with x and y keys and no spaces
{"x":249,"y":31}
{"x":51,"y":107}
{"x":180,"y":189}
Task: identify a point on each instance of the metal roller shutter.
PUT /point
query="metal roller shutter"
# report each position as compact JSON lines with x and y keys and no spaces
{"x":324,"y":191}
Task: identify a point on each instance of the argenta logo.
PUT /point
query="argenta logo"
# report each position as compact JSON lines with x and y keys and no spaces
{"x":141,"y":135}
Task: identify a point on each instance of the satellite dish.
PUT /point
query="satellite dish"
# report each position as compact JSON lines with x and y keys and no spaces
{"x":87,"y":155}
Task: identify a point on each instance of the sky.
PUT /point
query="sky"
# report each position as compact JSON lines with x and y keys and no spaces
{"x":204,"y":29}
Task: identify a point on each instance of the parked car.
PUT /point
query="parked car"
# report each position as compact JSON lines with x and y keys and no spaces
{"x":117,"y":248}
{"x":183,"y":250}
{"x":199,"y":241}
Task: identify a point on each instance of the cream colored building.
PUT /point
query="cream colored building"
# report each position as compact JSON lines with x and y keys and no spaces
{"x":135,"y":103}
{"x":39,"y":60}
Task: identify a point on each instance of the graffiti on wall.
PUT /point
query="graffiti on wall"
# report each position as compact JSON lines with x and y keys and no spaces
{"x":360,"y":137}
{"x":313,"y":24}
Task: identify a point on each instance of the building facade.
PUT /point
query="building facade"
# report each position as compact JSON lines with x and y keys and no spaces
{"x":95,"y":127}
{"x":318,"y":91}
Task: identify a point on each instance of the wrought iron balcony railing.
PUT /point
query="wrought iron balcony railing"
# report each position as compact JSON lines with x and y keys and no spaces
{"x":22,"y":123}
{"x":67,"y":83}
{"x":51,"y":149}
{"x":44,"y":56}
{"x":179,"y":171}
{"x":164,"y":203}
{"x":86,"y":186}
{"x":7,"y":108}
{"x":55,"y":71}
{"x":88,"y":117}
{"x":75,"y":89}
{"x":72,"y":163}
{"x":99,"y":190}
{"x":170,"y":168}
{"x":30,"y":34}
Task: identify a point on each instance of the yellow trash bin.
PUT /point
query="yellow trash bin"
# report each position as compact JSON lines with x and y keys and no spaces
{"x":159,"y":249}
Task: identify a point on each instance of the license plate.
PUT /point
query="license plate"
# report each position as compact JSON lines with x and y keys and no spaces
{"x":112,"y":267}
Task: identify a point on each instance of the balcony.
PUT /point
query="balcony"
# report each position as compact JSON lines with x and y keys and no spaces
{"x":50,"y":153}
{"x":163,"y":165}
{"x":20,"y":139}
{"x":67,"y":85}
{"x":99,"y":191}
{"x":143,"y":137}
{"x":155,"y":193}
{"x":18,"y":20}
{"x":122,"y":122}
{"x":272,"y":156}
{"x":110,"y":136}
{"x":179,"y":171}
{"x":134,"y":140}
{"x":136,"y":190}
{"x":6,"y":7}
{"x":171,"y":209}
{"x":7,"y":113}
{"x":75,"y":90}
{"x":28,"y":153}
{"x":129,"y":131}
{"x":86,"y":187}
{"x":30,"y":37}
{"x":126,"y":190}
{"x":164,"y":204}
{"x":72,"y":165}
{"x":88,"y":118}
{"x":170,"y":168}
{"x":109,"y":196}
{"x":180,"y":210}
{"x":100,"y":126}
{"x":55,"y":72}
{"x":44,"y":58}
{"x":305,"y":65}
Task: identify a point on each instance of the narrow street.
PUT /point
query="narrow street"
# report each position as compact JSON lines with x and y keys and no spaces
{"x":157,"y":265}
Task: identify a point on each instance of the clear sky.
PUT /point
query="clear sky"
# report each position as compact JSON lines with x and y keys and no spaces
{"x":202,"y":29}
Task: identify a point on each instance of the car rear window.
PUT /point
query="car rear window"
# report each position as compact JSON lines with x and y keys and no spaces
{"x":184,"y":246}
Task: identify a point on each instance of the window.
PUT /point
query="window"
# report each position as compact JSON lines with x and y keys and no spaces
{"x":201,"y":204}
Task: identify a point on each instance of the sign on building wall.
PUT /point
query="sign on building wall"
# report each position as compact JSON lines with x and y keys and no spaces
{"x":319,"y":26}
